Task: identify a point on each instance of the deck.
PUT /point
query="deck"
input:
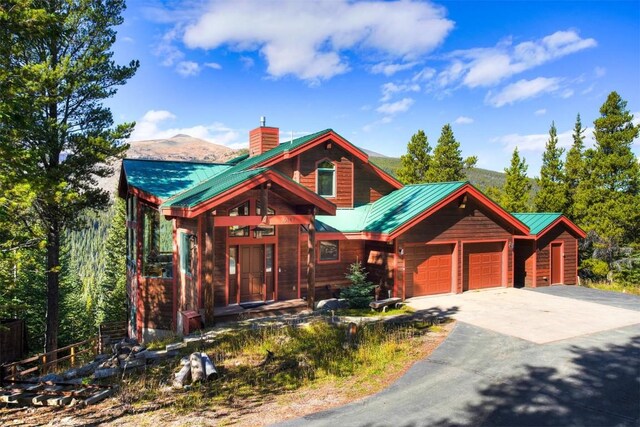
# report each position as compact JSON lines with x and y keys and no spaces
{"x":237,"y":312}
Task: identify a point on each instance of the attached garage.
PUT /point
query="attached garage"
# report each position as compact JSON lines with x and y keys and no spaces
{"x":429,"y":269}
{"x":483,"y":265}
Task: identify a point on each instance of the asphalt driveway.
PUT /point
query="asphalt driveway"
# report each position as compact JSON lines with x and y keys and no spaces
{"x":482,"y":377}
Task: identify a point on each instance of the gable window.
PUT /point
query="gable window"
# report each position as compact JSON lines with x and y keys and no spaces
{"x":326,"y":179}
{"x":329,"y":250}
{"x":265,"y":230}
{"x":238,"y":230}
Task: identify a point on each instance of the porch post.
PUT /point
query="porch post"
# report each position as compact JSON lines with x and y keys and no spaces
{"x":207,"y":267}
{"x":311,"y":261}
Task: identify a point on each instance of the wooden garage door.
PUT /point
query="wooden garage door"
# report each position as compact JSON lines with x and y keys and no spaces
{"x":485,"y":265}
{"x":429,"y":269}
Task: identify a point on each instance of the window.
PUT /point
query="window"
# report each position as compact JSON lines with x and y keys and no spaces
{"x":157,"y":244}
{"x":329,"y":250}
{"x":237,"y":230}
{"x":268,"y":258}
{"x":188,"y":253}
{"x":265,"y":230}
{"x":326,"y":179}
{"x":233,"y":257}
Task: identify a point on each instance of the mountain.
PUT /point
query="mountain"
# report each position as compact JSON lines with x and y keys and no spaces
{"x":179,"y":147}
{"x":372,"y":153}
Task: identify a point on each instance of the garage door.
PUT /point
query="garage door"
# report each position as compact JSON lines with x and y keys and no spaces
{"x":484,"y":265}
{"x":429,"y":269}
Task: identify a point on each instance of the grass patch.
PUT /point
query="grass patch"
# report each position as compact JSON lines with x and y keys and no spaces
{"x":310,"y":355}
{"x":626,"y":288}
{"x":367,"y":312}
{"x":161,"y":344}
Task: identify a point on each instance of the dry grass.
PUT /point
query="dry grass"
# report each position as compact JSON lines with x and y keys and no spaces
{"x":312,"y":369}
{"x":633,"y":289}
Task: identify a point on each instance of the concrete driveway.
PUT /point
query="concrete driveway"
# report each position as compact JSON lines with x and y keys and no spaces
{"x":482,"y":377}
{"x":538,"y":317}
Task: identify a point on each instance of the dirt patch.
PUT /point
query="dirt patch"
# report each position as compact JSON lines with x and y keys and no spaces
{"x":117,"y":411}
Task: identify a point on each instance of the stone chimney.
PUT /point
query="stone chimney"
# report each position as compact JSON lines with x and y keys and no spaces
{"x":263,"y":138}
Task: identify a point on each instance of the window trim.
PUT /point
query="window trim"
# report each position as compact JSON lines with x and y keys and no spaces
{"x":248,"y":228}
{"x":185,"y":237}
{"x":328,"y":261}
{"x":335,"y":177}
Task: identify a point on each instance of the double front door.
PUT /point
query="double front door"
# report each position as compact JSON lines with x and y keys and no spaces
{"x":255,"y":273}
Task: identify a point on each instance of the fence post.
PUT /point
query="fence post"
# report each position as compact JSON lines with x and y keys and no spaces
{"x":73,"y":356}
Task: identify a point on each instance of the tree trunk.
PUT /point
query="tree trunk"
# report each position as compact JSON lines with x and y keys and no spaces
{"x":53,"y":291}
{"x":311,"y":262}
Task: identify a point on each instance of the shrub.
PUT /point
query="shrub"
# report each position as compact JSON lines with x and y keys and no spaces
{"x":594,"y":269}
{"x":359,"y":293}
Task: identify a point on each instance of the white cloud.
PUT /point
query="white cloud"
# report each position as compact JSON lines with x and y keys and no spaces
{"x":389,"y":69}
{"x":150,"y":126}
{"x":599,"y":71}
{"x":540,"y":112}
{"x":390,"y":89}
{"x":127,"y":39}
{"x":567,"y":93}
{"x":308,"y":39}
{"x":188,"y":68}
{"x":489,"y":66}
{"x":247,"y":62}
{"x":423,"y":75}
{"x":393,"y":108}
{"x":522,"y":89}
{"x":536,"y":142}
{"x":463,"y":120}
{"x":213,"y":65}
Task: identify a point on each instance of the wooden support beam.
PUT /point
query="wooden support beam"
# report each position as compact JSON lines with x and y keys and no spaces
{"x":207,"y":268}
{"x":311,"y":261}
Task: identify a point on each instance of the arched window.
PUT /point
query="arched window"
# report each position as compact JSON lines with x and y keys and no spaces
{"x":326,"y":179}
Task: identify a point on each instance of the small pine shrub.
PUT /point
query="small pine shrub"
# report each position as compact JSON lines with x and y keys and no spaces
{"x":360,"y":293}
{"x":594,"y":269}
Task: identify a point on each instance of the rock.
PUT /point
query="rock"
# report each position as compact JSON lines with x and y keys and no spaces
{"x":331,"y":304}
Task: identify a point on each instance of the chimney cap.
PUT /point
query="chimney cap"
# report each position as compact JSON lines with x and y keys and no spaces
{"x":263,"y":121}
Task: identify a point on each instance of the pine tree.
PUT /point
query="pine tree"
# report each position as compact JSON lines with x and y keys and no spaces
{"x":517,"y":187}
{"x":112,"y":306}
{"x":574,"y":170}
{"x":608,"y":197}
{"x":447,"y":163}
{"x":551,"y":193}
{"x":56,"y":69}
{"x":415,"y":164}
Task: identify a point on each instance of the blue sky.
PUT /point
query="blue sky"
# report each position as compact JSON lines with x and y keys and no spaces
{"x":376,"y":72}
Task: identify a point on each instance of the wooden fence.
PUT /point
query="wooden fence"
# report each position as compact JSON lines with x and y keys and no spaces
{"x":52,"y":361}
{"x":110,"y":333}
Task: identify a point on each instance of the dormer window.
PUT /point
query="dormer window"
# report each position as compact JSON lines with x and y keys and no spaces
{"x":326,"y":179}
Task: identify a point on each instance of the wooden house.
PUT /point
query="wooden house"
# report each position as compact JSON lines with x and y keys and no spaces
{"x":267,"y":225}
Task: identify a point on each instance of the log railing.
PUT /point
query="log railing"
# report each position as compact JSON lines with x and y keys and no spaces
{"x":109,"y":333}
{"x":47,"y":362}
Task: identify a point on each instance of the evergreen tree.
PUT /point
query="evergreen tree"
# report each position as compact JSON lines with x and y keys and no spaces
{"x":447,"y":163}
{"x":551,"y":194}
{"x":608,"y":197}
{"x":517,"y":187}
{"x":415,"y":164}
{"x":56,"y":69}
{"x":112,"y":306}
{"x":574,"y":169}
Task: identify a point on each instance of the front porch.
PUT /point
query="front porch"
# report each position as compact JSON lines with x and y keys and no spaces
{"x":275,"y":308}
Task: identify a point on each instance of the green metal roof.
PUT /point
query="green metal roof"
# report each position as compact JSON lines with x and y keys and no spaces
{"x":164,"y":179}
{"x":211,"y":188}
{"x":281,"y":148}
{"x":389,"y":212}
{"x":237,"y":160}
{"x":537,"y":221}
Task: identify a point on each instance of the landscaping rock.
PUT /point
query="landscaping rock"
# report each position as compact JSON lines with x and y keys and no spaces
{"x":331,"y":304}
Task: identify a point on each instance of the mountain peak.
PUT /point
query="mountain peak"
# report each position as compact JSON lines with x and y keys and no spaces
{"x":180,"y":135}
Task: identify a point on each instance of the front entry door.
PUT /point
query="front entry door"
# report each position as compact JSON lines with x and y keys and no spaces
{"x":251,"y":273}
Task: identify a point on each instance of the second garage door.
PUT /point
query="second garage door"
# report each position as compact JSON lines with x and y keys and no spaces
{"x":484,"y":265}
{"x":429,"y":269}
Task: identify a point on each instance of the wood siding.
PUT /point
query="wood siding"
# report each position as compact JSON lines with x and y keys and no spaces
{"x":344,"y":172}
{"x":288,"y":263}
{"x":559,"y":234}
{"x":523,"y":262}
{"x":156,"y":301}
{"x":368,"y":186}
{"x":187,"y":283}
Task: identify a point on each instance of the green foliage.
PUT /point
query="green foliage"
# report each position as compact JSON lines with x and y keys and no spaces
{"x":594,"y":269}
{"x":607,"y":198}
{"x":517,"y":187}
{"x":447,"y":163}
{"x":56,"y":69}
{"x":629,"y":276}
{"x":112,"y":303}
{"x":551,"y":194}
{"x":415,"y":164}
{"x":574,"y":170}
{"x":359,"y":293}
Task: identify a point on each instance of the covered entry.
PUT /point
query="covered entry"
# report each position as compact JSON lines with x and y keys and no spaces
{"x":483,"y":265}
{"x":429,"y":269}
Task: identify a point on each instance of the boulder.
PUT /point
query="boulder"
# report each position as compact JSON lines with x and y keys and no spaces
{"x":331,"y":304}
